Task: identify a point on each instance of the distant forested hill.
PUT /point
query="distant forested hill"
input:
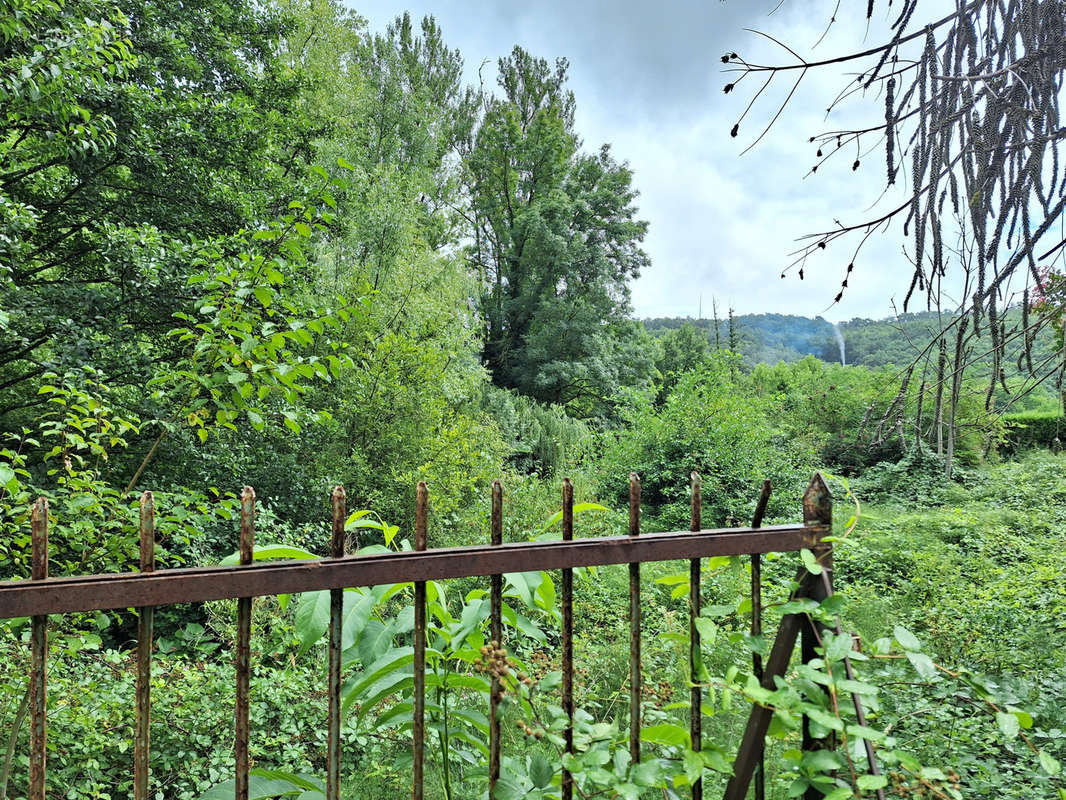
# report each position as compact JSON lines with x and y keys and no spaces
{"x":763,"y":338}
{"x":769,"y":338}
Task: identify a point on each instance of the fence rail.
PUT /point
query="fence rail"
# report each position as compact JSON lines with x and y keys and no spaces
{"x":41,"y":596}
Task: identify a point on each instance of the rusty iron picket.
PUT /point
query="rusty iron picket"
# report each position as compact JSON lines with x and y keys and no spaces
{"x":150,"y":588}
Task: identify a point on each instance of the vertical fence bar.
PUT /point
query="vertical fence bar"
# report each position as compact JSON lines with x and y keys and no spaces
{"x":244,"y":647}
{"x":145,"y":623}
{"x":336,"y":622}
{"x":817,"y":510}
{"x":634,"y":625}
{"x":39,"y":655}
{"x":695,"y":655}
{"x":568,"y":639}
{"x":418,"y":720}
{"x":756,"y":622}
{"x":496,"y":634}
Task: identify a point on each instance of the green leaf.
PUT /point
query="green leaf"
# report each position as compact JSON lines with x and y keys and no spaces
{"x":524,"y":584}
{"x":263,"y":295}
{"x":506,"y":789}
{"x":544,"y":597}
{"x":666,"y":734}
{"x":836,"y":647}
{"x":1024,"y":719}
{"x":810,"y":562}
{"x":870,"y":783}
{"x":924,"y":666}
{"x":7,"y":478}
{"x":647,"y":773}
{"x":826,"y":719}
{"x":707,"y":629}
{"x":312,"y":618}
{"x":540,"y":771}
{"x":821,"y":760}
{"x":714,"y":759}
{"x":1048,"y":763}
{"x":374,"y":642}
{"x":557,"y":517}
{"x":354,"y":517}
{"x":474,"y":613}
{"x":1008,"y":723}
{"x":392,"y":661}
{"x":693,"y":762}
{"x":260,"y":787}
{"x":268,"y":551}
{"x":906,"y":639}
{"x":357,"y":609}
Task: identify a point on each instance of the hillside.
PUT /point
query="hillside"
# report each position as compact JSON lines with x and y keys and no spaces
{"x":769,"y":338}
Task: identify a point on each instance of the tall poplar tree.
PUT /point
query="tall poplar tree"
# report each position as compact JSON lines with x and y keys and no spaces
{"x":556,"y":240}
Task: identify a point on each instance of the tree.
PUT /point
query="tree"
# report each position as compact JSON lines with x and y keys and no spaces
{"x":139,"y":137}
{"x":969,"y":107}
{"x":556,"y":240}
{"x":683,"y":349}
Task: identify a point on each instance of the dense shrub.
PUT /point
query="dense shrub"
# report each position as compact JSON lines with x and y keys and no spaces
{"x":707,"y":424}
{"x":1034,"y":429}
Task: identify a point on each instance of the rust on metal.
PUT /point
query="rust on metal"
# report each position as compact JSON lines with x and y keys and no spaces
{"x":760,"y":507}
{"x":200,"y":584}
{"x":756,"y":619}
{"x":751,"y":744}
{"x":146,"y":619}
{"x":244,"y":656}
{"x":418,"y":721}
{"x":817,"y":502}
{"x":817,"y":510}
{"x":496,"y":635}
{"x":336,"y":623}
{"x":567,"y":636}
{"x":39,"y":656}
{"x":754,"y":737}
{"x":695,"y":655}
{"x":634,"y":625}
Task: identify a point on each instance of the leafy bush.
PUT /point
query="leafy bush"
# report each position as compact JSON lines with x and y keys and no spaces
{"x":1034,"y":429}
{"x":917,"y":478}
{"x":710,"y":426}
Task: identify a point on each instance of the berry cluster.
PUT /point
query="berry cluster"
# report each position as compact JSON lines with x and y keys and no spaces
{"x":495,"y":663}
{"x":910,"y":786}
{"x":535,"y":733}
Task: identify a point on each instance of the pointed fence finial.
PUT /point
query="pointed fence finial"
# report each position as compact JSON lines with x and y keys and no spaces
{"x":817,"y":502}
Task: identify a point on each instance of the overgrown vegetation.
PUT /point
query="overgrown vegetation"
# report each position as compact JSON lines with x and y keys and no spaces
{"x":256,"y":243}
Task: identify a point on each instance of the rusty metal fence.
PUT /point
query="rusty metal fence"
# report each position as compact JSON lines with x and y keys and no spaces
{"x":41,"y":596}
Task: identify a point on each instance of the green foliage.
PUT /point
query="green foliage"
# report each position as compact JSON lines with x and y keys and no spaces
{"x":92,"y":696}
{"x":1034,"y":429}
{"x":826,"y":405}
{"x":222,"y":221}
{"x":540,"y":438}
{"x":707,"y":425}
{"x":247,"y":348}
{"x":916,"y":479}
{"x":555,"y":241}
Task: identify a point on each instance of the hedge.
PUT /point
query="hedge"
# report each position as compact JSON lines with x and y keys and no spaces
{"x":1034,"y":429}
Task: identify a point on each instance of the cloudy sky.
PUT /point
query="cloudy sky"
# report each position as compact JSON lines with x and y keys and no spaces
{"x":648,"y":79}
